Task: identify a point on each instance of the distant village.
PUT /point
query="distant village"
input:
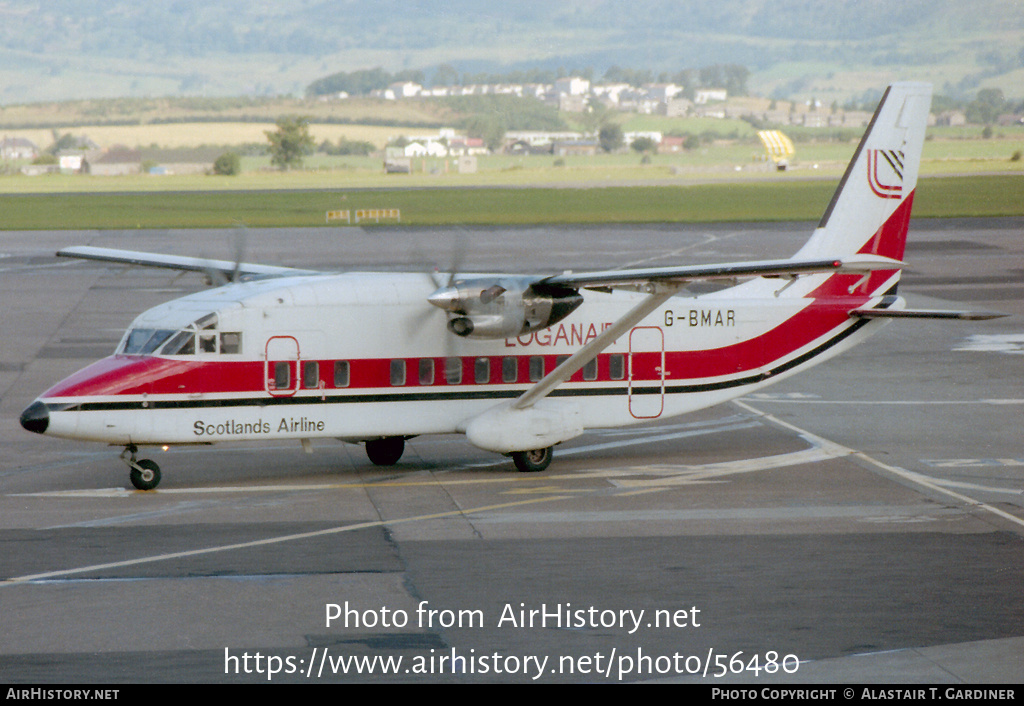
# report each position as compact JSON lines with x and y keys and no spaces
{"x":572,"y":94}
{"x":578,"y":95}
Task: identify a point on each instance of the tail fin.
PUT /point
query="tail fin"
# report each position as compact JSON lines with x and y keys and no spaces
{"x":870,"y":210}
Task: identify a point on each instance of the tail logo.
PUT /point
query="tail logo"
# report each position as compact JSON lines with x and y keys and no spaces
{"x":885,"y":173}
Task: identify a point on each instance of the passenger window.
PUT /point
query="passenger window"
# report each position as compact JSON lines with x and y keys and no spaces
{"x":453,"y":371}
{"x":397,"y":373}
{"x":590,"y":370}
{"x":482,"y":371}
{"x":617,"y":366}
{"x":310,"y":374}
{"x":509,"y":369}
{"x":231,"y":342}
{"x":341,"y":373}
{"x":282,"y":375}
{"x":536,"y":368}
{"x":426,"y":371}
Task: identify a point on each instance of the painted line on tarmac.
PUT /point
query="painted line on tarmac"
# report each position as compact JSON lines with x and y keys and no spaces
{"x":660,"y":437}
{"x":686,"y":475}
{"x":975,"y":486}
{"x":915,"y":478}
{"x":17,"y":580}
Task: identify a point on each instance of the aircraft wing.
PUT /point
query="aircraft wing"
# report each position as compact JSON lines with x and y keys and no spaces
{"x":225,"y":268}
{"x":676,"y":276}
{"x":576,"y":361}
{"x":661,"y":283}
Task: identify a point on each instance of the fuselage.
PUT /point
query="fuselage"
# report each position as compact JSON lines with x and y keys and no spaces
{"x":363,"y":355}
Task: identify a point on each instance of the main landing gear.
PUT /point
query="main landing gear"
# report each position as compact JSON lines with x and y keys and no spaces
{"x":144,"y":474}
{"x":386,"y":451}
{"x":533,"y":461}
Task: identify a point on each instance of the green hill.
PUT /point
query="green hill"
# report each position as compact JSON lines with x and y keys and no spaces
{"x":64,"y":49}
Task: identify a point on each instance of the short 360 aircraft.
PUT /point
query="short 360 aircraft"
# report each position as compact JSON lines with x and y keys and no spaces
{"x":524,"y":362}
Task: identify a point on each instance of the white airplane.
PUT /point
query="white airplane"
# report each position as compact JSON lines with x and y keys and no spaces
{"x":524,"y":362}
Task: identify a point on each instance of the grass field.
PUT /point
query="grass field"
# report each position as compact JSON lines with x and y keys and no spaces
{"x":176,"y":135}
{"x":750,"y":201}
{"x":732,"y":161}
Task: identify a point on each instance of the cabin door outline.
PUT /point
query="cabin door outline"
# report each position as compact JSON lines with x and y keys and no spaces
{"x":646,"y":373}
{"x":281,"y":367}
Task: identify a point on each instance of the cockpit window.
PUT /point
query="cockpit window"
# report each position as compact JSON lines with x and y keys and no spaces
{"x":141,"y":341}
{"x":183,"y":343}
{"x":201,"y":336}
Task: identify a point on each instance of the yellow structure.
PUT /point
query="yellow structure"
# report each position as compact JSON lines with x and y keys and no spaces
{"x":778,"y":147}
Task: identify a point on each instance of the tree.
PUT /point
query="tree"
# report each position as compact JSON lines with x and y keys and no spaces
{"x":610,"y":137}
{"x":644,"y":144}
{"x":987,"y":106}
{"x":228,"y":164}
{"x":290,"y":142}
{"x":445,"y":75}
{"x":490,"y":128}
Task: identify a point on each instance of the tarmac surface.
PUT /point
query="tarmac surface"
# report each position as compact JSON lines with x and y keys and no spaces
{"x":860,"y":523}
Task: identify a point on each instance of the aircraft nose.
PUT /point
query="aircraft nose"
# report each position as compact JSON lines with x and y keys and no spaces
{"x":36,"y":417}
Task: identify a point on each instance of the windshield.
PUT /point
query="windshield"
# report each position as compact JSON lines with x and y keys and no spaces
{"x":145,"y":340}
{"x":201,"y":336}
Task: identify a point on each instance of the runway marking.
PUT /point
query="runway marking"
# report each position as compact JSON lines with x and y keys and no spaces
{"x":861,"y":513}
{"x":213,"y":490}
{"x":970,"y":486}
{"x":545,"y":489}
{"x":658,"y":437}
{"x":911,"y":476}
{"x":18,"y":580}
{"x":715,"y":425}
{"x":973,"y":462}
{"x":686,"y":475}
{"x":20,"y":268}
{"x":994,"y":343}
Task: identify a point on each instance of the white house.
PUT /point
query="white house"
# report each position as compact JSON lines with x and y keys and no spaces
{"x":572,"y":86}
{"x":18,"y":148}
{"x":706,"y":95}
{"x":662,"y":92}
{"x":427,"y":149}
{"x":405,"y":89}
{"x":654,"y":136}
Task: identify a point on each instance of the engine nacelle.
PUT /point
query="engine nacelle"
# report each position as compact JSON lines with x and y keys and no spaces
{"x":503,"y":429}
{"x":502,"y":307}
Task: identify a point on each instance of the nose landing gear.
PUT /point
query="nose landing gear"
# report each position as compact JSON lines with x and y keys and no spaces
{"x":144,"y":474}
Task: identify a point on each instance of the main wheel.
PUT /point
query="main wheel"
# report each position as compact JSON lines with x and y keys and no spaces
{"x":533,"y":461}
{"x":386,"y":451}
{"x":148,"y":477}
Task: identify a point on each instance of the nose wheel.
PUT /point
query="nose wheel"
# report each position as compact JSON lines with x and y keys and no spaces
{"x":144,"y":474}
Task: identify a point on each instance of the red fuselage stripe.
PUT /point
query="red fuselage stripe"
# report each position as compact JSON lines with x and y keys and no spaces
{"x":138,"y":375}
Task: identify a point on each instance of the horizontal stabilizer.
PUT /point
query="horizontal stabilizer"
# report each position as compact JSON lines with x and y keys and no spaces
{"x":926,"y":314}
